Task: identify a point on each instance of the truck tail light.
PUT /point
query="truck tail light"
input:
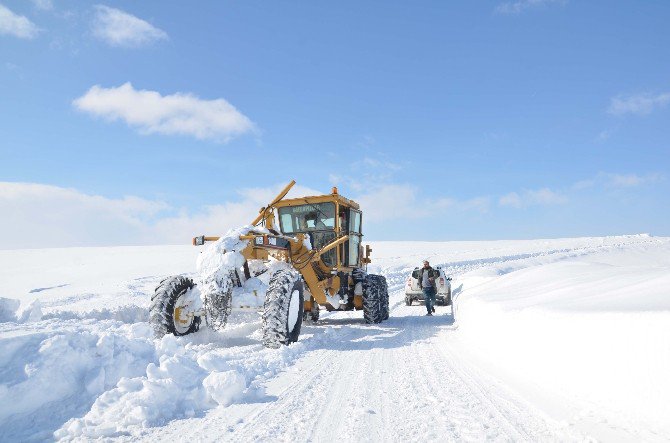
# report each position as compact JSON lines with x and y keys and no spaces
{"x":441,"y":280}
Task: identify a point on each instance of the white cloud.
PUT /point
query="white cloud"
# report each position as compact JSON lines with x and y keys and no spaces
{"x":16,"y":25}
{"x":39,"y":216}
{"x":603,"y":136}
{"x":511,"y":199}
{"x":387,"y":201}
{"x":625,"y":181}
{"x":150,"y":112}
{"x":476,"y":204}
{"x":640,"y":104}
{"x":367,"y":172}
{"x":368,"y":163}
{"x":218,"y":218}
{"x":538,"y":197}
{"x":118,"y":28}
{"x":519,"y":6}
{"x":402,"y":201}
{"x":44,"y":5}
{"x":610,"y":180}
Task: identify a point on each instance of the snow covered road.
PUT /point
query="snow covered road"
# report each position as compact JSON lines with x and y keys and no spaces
{"x":552,"y":340}
{"x":392,"y":382}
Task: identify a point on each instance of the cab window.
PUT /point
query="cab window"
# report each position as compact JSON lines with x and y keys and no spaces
{"x":352,"y":246}
{"x":305,"y":218}
{"x":355,"y":222}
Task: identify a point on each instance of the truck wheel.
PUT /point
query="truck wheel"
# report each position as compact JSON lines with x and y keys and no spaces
{"x":447,"y":299}
{"x":166,"y":304}
{"x":408,"y":301}
{"x":374,"y":291}
{"x":283,"y":309}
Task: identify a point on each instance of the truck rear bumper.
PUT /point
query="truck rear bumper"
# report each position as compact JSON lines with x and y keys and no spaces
{"x":414,"y":295}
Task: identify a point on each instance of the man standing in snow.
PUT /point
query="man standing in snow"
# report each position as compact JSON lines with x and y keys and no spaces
{"x":427,"y":284}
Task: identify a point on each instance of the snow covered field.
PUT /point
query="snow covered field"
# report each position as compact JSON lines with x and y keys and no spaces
{"x":552,"y":340}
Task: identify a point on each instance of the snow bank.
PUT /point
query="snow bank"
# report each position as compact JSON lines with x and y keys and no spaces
{"x":14,"y":311}
{"x":578,"y":325}
{"x":126,"y":314}
{"x":47,"y":377}
{"x":54,"y":275}
{"x":188,"y":379}
{"x":30,"y":313}
{"x":8,"y":308}
{"x":592,"y":332}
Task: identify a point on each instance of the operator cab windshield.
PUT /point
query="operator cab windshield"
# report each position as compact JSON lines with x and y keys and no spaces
{"x":317,"y":220}
{"x":307,"y":218}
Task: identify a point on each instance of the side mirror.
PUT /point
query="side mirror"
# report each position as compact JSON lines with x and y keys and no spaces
{"x":199,"y":241}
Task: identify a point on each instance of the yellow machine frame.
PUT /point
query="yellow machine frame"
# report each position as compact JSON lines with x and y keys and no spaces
{"x":293,"y":250}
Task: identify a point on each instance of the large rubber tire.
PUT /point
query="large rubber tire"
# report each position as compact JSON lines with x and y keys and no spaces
{"x":408,"y":301}
{"x":375,"y":296}
{"x":283,"y":309}
{"x":163,"y":304}
{"x":385,"y":302}
{"x":217,"y":302}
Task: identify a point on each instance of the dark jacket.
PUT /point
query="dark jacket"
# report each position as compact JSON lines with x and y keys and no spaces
{"x":432,"y":273}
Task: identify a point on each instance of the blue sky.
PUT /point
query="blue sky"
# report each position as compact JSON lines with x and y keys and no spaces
{"x":147,"y":122}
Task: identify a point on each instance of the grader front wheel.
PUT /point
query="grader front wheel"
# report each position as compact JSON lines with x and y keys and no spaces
{"x":217,"y":302}
{"x":283,"y":309}
{"x":168,"y":312}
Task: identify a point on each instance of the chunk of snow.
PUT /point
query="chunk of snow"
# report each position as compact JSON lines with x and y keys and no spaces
{"x":30,"y":313}
{"x":225,"y":388}
{"x":8,"y":308}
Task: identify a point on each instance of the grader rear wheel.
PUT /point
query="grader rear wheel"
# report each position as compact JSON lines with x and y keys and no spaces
{"x":375,"y":299}
{"x":385,"y":302}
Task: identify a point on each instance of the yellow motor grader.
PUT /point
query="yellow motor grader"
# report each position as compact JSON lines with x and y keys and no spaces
{"x":316,"y":259}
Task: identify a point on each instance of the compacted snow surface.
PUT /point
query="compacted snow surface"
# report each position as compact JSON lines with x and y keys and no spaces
{"x":550,"y":340}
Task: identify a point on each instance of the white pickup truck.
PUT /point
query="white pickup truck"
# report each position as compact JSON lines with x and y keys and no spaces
{"x":413,"y":292}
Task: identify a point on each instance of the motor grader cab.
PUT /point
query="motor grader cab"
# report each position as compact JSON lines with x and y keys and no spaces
{"x":312,"y":248}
